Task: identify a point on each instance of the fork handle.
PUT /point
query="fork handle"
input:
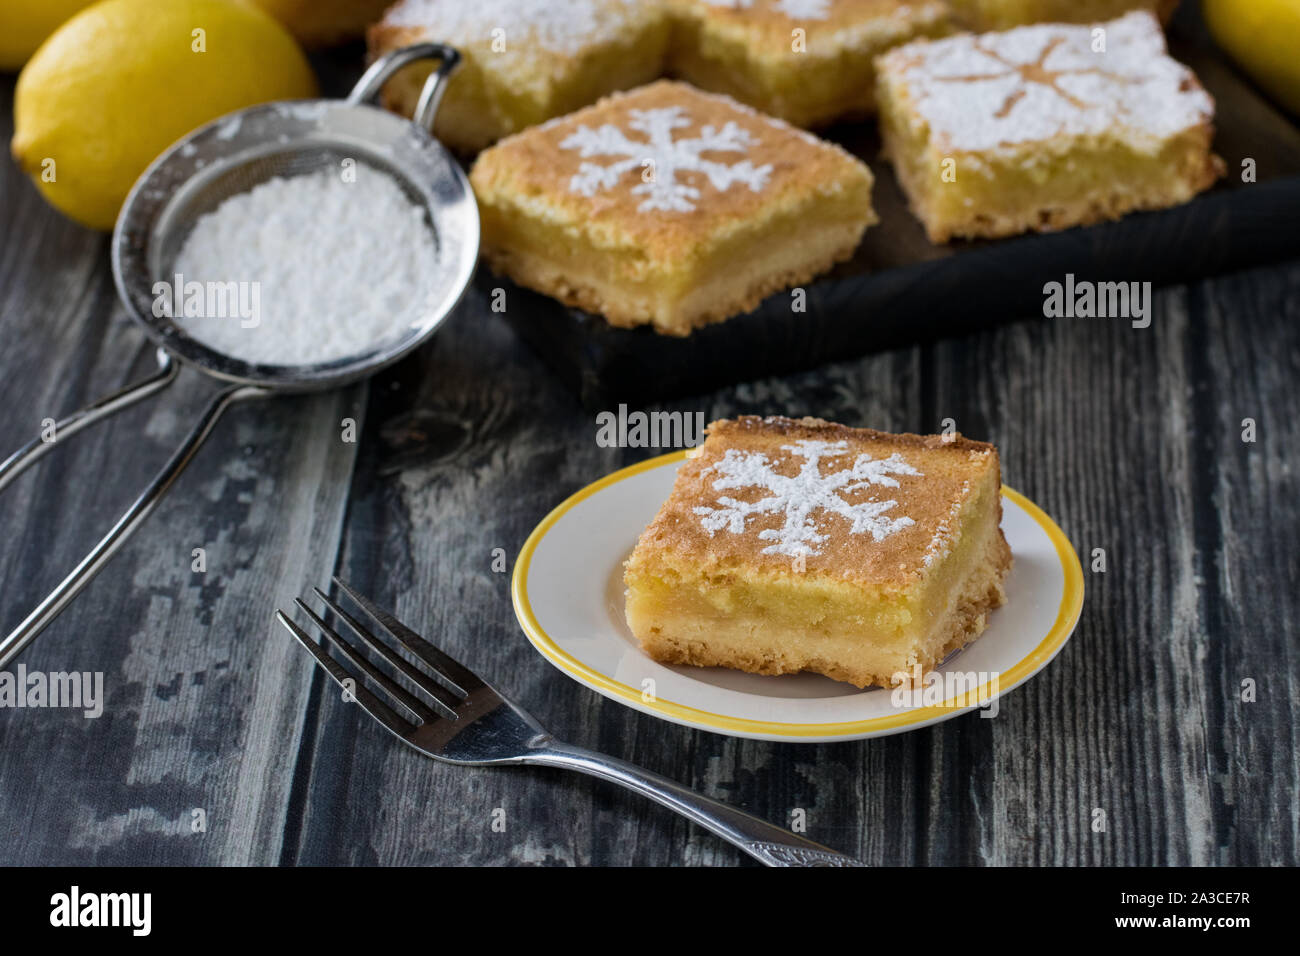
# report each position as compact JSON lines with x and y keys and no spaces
{"x":769,"y":844}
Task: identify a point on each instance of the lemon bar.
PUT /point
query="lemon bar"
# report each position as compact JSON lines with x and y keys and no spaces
{"x":793,"y":545}
{"x":1044,"y":127}
{"x":806,"y":61}
{"x":525,"y":61}
{"x":668,"y":207}
{"x":981,"y":15}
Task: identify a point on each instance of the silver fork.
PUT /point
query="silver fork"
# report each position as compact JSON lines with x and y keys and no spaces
{"x":460,"y":719}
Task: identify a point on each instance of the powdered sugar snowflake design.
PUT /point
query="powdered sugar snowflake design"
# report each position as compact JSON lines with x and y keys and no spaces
{"x":662,"y":159}
{"x":800,"y":495}
{"x":794,"y":9}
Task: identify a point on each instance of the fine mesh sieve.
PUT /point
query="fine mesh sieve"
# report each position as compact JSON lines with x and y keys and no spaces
{"x":230,"y":156}
{"x":234,"y":154}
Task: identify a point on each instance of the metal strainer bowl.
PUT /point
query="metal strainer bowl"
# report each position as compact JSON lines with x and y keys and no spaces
{"x":232,"y":155}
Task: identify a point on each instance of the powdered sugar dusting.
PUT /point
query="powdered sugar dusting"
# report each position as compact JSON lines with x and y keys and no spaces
{"x":661,"y":158}
{"x":1037,"y":82}
{"x":800,"y":497}
{"x":337,"y":267}
{"x":941,"y":543}
{"x":794,"y":9}
{"x":560,"y":26}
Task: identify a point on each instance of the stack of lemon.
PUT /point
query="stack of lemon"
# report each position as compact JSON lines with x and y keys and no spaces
{"x":122,"y":80}
{"x":1263,"y":36}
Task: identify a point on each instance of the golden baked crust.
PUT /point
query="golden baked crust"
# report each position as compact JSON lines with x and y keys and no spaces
{"x":808,"y":63}
{"x":524,"y":61}
{"x":947,"y":464}
{"x":1035,"y":129}
{"x":668,"y":206}
{"x":799,"y":544}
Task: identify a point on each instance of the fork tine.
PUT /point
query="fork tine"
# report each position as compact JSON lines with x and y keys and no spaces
{"x":444,"y":698}
{"x":459,"y":677}
{"x":375,"y":707}
{"x":408,"y":700}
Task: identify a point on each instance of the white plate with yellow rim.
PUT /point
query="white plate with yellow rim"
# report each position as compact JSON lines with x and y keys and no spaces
{"x":568,"y":595}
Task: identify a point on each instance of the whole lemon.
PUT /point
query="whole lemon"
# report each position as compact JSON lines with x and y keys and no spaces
{"x":1263,"y":36}
{"x":24,"y":24}
{"x":124,"y":79}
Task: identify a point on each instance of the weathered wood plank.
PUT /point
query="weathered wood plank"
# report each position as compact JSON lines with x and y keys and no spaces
{"x":1247,"y":560}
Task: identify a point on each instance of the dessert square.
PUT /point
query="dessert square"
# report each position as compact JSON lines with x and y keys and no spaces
{"x":800,"y":545}
{"x":806,"y":61}
{"x":1037,"y":128}
{"x":668,"y":207}
{"x":981,"y":15}
{"x":525,"y":61}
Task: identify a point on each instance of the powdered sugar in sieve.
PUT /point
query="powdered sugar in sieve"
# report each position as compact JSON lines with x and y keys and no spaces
{"x":307,"y":269}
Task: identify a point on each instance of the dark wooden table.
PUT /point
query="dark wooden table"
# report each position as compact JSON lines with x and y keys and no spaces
{"x":1130,"y":438}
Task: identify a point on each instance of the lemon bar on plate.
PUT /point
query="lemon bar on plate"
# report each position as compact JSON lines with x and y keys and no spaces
{"x":525,"y":61}
{"x":669,"y":207}
{"x":1002,"y":14}
{"x":805,"y":61}
{"x":793,"y":545}
{"x":1044,"y":127}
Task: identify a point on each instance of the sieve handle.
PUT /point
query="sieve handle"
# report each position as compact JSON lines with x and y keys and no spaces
{"x":373,"y":80}
{"x":109,"y":405}
{"x":144,"y":505}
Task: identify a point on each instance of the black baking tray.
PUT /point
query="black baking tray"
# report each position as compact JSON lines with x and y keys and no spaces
{"x":901,"y":289}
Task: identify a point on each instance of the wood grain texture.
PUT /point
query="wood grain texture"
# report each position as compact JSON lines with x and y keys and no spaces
{"x":1130,"y":438}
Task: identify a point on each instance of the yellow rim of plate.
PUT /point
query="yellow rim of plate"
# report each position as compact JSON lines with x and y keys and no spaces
{"x":1066,"y":618}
